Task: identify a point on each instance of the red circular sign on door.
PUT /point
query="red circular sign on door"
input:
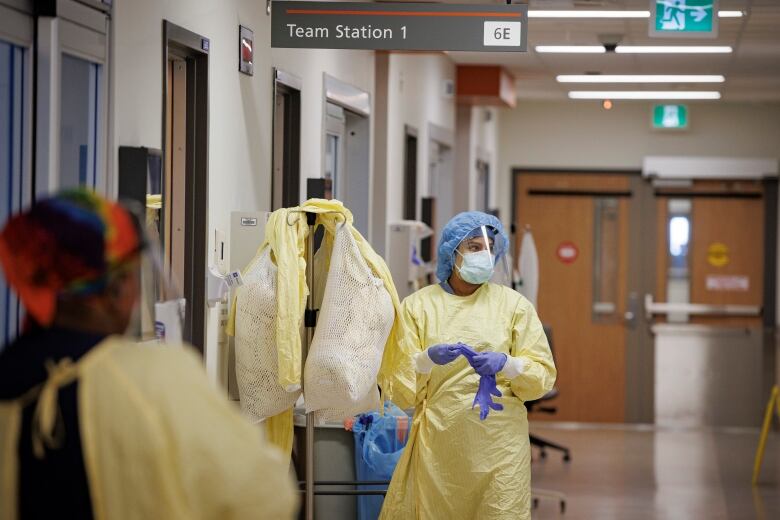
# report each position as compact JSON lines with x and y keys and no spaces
{"x":567,"y":252}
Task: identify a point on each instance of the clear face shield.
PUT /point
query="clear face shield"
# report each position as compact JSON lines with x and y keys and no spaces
{"x":477,"y":256}
{"x":161,"y":310}
{"x":162,"y":306}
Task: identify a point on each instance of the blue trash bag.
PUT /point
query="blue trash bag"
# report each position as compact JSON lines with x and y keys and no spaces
{"x":379,"y":442}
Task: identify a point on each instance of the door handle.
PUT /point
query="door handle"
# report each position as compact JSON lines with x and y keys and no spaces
{"x":699,"y":309}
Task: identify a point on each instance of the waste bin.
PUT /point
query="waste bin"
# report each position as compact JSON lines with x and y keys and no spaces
{"x":379,"y":443}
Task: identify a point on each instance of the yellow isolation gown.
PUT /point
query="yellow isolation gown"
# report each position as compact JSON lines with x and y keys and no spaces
{"x":159,"y":442}
{"x":456,"y":466}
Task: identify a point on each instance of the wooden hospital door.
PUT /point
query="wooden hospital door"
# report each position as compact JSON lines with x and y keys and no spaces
{"x":579,"y":222}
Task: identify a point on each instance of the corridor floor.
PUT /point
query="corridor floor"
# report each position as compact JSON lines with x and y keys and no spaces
{"x":644,"y":473}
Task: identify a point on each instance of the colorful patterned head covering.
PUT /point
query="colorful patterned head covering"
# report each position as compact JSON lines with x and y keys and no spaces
{"x":69,"y":243}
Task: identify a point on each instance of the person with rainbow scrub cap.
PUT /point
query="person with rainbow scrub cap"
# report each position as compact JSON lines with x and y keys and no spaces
{"x":94,"y":425}
{"x":456,"y":465}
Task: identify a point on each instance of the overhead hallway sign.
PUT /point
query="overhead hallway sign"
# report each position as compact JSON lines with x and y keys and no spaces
{"x":695,"y":18}
{"x":400,"y":26}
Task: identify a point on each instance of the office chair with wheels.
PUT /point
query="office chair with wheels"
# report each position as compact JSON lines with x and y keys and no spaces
{"x":538,"y":494}
{"x":538,"y":405}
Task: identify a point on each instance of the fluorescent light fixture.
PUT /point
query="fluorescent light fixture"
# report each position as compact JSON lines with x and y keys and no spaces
{"x":540,"y":13}
{"x":577,"y":49}
{"x":673,"y":49}
{"x":643,"y":94}
{"x":639,"y":78}
{"x":547,"y":13}
{"x":636,"y":49}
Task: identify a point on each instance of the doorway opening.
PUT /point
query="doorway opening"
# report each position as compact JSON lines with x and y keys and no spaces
{"x":347,"y":161}
{"x":185,"y":165}
{"x":439,"y":207}
{"x":286,"y":180}
{"x":410,"y":173}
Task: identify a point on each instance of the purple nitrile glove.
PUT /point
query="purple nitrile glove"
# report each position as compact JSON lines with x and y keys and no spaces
{"x":487,"y":386}
{"x":487,"y":389}
{"x":443,"y":354}
{"x":466,"y":351}
{"x":488,"y":363}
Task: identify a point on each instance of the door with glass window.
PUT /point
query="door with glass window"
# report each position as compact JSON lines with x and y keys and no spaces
{"x":709,"y":306}
{"x":72,"y":97}
{"x":16,"y":39}
{"x":580,"y":224}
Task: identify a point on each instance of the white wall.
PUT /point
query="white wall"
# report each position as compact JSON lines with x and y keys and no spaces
{"x":582,"y":135}
{"x":239,"y":105}
{"x":416,"y":98}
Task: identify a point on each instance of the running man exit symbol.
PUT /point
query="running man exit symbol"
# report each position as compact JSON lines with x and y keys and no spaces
{"x":687,"y":17}
{"x":670,"y":116}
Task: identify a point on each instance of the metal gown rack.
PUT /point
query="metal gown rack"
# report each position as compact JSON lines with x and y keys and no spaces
{"x":310,"y":322}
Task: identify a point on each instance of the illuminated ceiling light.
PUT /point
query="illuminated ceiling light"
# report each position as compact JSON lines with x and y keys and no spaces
{"x":579,"y":49}
{"x":673,"y":49}
{"x":640,"y":78}
{"x":546,"y":13}
{"x":539,"y":13}
{"x":643,"y":94}
{"x":607,"y":104}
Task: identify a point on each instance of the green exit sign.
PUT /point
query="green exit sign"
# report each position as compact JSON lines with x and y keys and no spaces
{"x":670,"y":117}
{"x":697,"y":18}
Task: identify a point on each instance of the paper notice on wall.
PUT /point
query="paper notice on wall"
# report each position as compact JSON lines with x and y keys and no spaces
{"x":728,"y":283}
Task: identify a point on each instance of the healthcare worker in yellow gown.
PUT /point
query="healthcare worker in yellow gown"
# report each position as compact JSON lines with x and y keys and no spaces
{"x":94,"y":425}
{"x":457,"y":465}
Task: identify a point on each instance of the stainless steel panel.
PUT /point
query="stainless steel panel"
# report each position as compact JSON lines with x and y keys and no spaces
{"x":334,"y":455}
{"x":708,"y":376}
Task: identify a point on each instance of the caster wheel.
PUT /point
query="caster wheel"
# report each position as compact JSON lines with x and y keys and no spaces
{"x":563,"y":507}
{"x":535,"y":503}
{"x":543,"y":454}
{"x":566,"y":457}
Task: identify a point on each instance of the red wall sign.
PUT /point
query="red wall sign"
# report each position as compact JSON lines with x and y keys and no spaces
{"x":567,"y":252}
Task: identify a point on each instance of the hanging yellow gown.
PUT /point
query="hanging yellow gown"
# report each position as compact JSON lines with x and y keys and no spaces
{"x":456,"y":466}
{"x":286,"y":233}
{"x":158,"y":440}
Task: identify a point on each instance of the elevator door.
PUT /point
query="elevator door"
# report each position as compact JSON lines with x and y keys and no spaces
{"x":186,"y":179}
{"x":580,"y":225}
